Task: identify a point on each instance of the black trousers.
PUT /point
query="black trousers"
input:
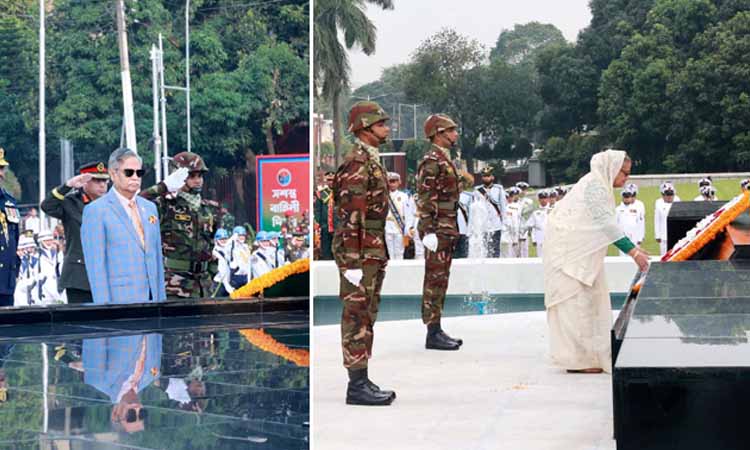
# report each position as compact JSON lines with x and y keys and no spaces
{"x":76,"y":296}
{"x":462,"y":247}
{"x":6,"y":300}
{"x":494,"y":244}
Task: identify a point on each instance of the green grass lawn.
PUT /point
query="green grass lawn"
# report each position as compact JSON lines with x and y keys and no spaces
{"x":725,"y":190}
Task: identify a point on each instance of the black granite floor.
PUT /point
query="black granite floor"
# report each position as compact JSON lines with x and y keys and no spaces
{"x":203,"y":382}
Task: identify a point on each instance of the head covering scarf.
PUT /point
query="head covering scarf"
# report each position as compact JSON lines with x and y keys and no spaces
{"x":581,"y":226}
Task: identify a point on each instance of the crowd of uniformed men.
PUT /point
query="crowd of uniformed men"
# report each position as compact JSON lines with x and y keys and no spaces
{"x":42,"y":265}
{"x":363,"y":219}
{"x":507,"y":221}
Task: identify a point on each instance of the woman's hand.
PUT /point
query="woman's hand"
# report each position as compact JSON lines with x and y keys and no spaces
{"x":640,"y":257}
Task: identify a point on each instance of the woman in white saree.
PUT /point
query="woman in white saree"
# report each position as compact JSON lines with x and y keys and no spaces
{"x":579,"y":230}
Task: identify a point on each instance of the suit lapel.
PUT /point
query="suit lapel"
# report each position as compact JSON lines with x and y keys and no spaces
{"x":123,"y":215}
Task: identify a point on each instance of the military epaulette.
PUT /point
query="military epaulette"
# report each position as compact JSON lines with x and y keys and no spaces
{"x":7,"y":194}
{"x":357,"y":154}
{"x":432,"y":155}
{"x":212,"y":203}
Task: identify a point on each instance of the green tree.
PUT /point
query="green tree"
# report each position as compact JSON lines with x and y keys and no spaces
{"x":522,"y":42}
{"x":331,"y":66}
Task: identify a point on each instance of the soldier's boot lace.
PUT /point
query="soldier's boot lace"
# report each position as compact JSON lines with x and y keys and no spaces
{"x":360,"y":391}
{"x":438,"y":340}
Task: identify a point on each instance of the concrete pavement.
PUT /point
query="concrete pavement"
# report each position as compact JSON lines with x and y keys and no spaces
{"x":498,"y":392}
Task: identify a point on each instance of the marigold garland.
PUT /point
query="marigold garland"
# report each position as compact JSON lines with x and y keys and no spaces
{"x":267,"y":280}
{"x":267,"y":343}
{"x":707,"y":229}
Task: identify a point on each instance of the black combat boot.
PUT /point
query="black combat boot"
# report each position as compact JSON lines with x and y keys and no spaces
{"x":375,"y":387}
{"x":438,"y":340}
{"x":362,"y":391}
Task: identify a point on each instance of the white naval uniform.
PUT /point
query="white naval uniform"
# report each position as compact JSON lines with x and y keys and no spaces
{"x":661,"y":211}
{"x":261,"y":262}
{"x":464,"y":201}
{"x":239,"y":257}
{"x":498,"y":202}
{"x":537,"y":223}
{"x":50,"y":265}
{"x":221,"y":253}
{"x":27,"y":291}
{"x":509,"y":240}
{"x":527,"y":206}
{"x":496,"y":194}
{"x":394,"y":236}
{"x":701,"y":198}
{"x":633,"y":222}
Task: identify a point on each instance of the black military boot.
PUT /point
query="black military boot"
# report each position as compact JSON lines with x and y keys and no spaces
{"x":375,"y":387}
{"x":362,"y":391}
{"x":438,"y":340}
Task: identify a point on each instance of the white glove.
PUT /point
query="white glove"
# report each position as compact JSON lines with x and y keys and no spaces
{"x":430,"y":242}
{"x":354,"y":276}
{"x":176,"y":179}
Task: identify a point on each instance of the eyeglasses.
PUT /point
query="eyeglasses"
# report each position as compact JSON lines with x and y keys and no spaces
{"x":130,"y":172}
{"x":627,"y":195}
{"x":131,"y":415}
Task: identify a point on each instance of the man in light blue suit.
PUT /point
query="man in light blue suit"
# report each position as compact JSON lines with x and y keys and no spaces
{"x":121,"y":238}
{"x":121,"y":367}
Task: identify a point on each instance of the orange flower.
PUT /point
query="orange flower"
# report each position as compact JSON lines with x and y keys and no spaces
{"x":267,"y":280}
{"x":735,"y":207}
{"x":267,"y":343}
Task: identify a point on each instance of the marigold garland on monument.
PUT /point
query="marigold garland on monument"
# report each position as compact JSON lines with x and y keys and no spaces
{"x":269,"y":279}
{"x":267,"y":343}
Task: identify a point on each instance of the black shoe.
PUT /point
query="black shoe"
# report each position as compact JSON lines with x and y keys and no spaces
{"x":438,"y":340}
{"x":375,"y":387}
{"x":458,"y":341}
{"x":362,"y":391}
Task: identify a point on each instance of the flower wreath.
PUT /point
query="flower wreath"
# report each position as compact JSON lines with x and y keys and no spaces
{"x":267,"y":280}
{"x":707,"y":229}
{"x":267,"y":343}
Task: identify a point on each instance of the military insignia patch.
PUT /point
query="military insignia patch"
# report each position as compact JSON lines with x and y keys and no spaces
{"x":12,"y":213}
{"x":154,"y":370}
{"x":152,"y":219}
{"x":100,"y":167}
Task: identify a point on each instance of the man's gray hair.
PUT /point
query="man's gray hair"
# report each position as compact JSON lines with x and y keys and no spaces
{"x":120,"y":155}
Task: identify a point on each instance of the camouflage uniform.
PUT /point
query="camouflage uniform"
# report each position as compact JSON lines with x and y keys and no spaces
{"x":437,"y":202}
{"x":361,"y":206}
{"x":188,"y":224}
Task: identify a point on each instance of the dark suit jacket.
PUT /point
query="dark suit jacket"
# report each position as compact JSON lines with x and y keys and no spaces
{"x":69,"y":209}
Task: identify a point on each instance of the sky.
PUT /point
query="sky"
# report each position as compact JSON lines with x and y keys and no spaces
{"x":401,"y":30}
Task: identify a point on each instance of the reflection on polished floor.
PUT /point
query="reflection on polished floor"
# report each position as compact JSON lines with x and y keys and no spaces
{"x":218,"y":382}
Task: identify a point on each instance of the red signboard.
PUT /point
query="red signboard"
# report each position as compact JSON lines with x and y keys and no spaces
{"x":283,"y":190}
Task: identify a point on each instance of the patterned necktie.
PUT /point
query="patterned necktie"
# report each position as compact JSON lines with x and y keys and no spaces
{"x":137,"y":221}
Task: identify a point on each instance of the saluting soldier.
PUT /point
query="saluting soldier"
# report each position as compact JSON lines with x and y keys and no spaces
{"x":188,"y":223}
{"x":9,"y":234}
{"x":66,"y":203}
{"x":438,"y":189}
{"x":360,"y":194}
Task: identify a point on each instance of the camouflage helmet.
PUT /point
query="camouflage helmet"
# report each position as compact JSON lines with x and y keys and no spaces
{"x":437,"y":123}
{"x":191,"y":161}
{"x":364,"y":115}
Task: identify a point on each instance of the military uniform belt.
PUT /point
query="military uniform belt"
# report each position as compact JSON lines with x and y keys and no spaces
{"x":374,"y":224}
{"x":185,"y":265}
{"x":447,"y":205}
